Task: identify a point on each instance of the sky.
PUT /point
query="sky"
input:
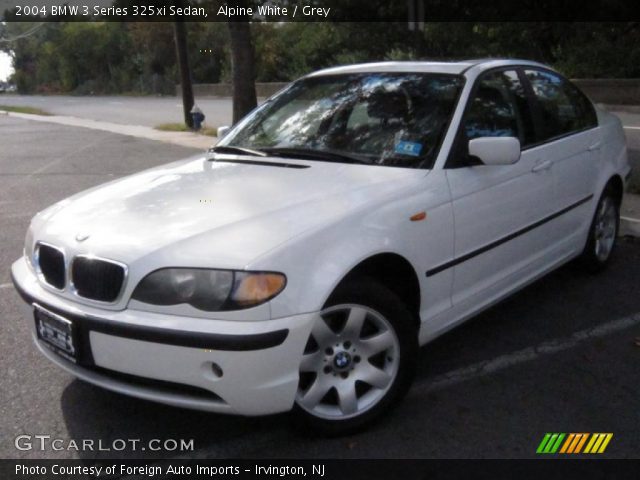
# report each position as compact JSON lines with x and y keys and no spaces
{"x":5,"y":66}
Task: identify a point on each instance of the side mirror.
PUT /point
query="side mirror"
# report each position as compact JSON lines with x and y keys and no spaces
{"x":222,"y":131}
{"x":495,"y":150}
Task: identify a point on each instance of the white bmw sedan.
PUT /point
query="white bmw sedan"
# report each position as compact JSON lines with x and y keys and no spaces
{"x":300,"y":263}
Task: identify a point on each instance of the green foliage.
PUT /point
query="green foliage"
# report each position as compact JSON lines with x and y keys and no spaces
{"x":181,"y":127}
{"x":209,"y":51}
{"x":24,"y":109}
{"x":400,"y":55}
{"x":288,"y":50}
{"x":110,"y":57}
{"x":597,"y":50}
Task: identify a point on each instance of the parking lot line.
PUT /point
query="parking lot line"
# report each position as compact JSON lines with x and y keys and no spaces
{"x":528,"y":354}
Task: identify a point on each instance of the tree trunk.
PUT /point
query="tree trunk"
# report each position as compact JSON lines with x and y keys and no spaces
{"x":185,"y":72}
{"x":242,"y":61}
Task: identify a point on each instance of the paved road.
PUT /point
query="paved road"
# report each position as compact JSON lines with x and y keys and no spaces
{"x":559,"y":356}
{"x":147,"y":111}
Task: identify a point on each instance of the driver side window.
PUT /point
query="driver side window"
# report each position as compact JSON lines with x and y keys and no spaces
{"x":499,"y":108}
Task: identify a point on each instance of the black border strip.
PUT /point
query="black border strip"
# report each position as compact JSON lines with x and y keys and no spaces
{"x":587,"y":467}
{"x":500,"y":241}
{"x":213,"y":341}
{"x":353,"y":11}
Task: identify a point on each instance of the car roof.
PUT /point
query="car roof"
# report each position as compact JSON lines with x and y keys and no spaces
{"x":453,"y":67}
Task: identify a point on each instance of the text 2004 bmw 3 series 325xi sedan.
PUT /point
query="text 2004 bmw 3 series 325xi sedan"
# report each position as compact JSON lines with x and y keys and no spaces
{"x":351,"y":218}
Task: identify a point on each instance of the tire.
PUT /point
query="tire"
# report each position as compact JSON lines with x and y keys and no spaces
{"x":359,"y":361}
{"x":603,"y":233}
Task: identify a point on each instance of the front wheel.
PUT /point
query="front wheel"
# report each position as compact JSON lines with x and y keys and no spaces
{"x":359,"y":359}
{"x":602,"y":234}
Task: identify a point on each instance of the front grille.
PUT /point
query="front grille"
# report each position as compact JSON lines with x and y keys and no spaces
{"x":97,"y":279}
{"x":51,"y":264}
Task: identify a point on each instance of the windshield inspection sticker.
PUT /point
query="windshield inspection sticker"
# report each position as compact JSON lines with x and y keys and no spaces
{"x":408,"y":148}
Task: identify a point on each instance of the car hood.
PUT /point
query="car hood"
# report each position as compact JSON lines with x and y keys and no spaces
{"x":223,"y":213}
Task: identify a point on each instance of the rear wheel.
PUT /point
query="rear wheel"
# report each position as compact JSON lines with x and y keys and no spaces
{"x":359,"y":359}
{"x":602,"y":234}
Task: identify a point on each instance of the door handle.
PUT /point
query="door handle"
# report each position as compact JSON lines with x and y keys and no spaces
{"x":541,"y":166}
{"x":595,"y":146}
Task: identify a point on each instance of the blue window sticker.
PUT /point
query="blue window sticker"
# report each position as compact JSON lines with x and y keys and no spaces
{"x":408,"y":148}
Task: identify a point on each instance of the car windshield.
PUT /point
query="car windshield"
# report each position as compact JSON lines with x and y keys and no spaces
{"x":391,"y":119}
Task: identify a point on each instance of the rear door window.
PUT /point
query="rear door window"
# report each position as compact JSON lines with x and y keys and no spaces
{"x":563,"y":108}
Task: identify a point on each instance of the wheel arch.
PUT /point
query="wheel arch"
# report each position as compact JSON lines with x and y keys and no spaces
{"x":616,"y":186}
{"x":393,"y":271}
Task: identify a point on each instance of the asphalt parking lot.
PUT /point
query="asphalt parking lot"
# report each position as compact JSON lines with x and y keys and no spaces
{"x":560,"y":356}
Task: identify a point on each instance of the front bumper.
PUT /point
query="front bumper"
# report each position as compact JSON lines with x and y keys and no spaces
{"x":177,"y":360}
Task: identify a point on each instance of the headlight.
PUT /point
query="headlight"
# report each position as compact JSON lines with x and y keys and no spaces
{"x":209,"y":290}
{"x":28,"y":246}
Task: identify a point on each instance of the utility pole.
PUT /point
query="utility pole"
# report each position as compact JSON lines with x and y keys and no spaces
{"x":185,"y":72}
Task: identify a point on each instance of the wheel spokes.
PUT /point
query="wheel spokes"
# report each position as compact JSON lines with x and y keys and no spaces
{"x":374,"y":376}
{"x":378,"y":343}
{"x":321,"y":332}
{"x":599,"y":229}
{"x":354,"y":323}
{"x":316,"y":392}
{"x":603,"y":209}
{"x":347,"y":399}
{"x":311,"y":362}
{"x":599,"y":248}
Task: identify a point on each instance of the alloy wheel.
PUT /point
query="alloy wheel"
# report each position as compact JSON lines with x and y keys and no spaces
{"x":350,"y":362}
{"x":605,"y":229}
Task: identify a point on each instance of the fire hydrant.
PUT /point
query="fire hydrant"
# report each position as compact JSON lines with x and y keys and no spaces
{"x":197,"y":117}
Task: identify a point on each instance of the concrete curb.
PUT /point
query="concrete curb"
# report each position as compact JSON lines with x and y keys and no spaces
{"x":630,"y":215}
{"x":629,"y":227}
{"x":619,"y":108}
{"x":185,"y":139}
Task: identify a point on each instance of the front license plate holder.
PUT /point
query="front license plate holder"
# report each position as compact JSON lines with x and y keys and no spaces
{"x":56,"y":332}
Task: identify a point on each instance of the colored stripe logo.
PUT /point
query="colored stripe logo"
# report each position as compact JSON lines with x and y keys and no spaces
{"x":573,"y":443}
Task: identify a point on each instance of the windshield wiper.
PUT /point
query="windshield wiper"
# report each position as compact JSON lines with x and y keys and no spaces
{"x":309,"y":153}
{"x":237,"y":150}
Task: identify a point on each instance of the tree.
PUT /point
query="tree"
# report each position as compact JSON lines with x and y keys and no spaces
{"x":185,"y":72}
{"x":243,"y":67}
